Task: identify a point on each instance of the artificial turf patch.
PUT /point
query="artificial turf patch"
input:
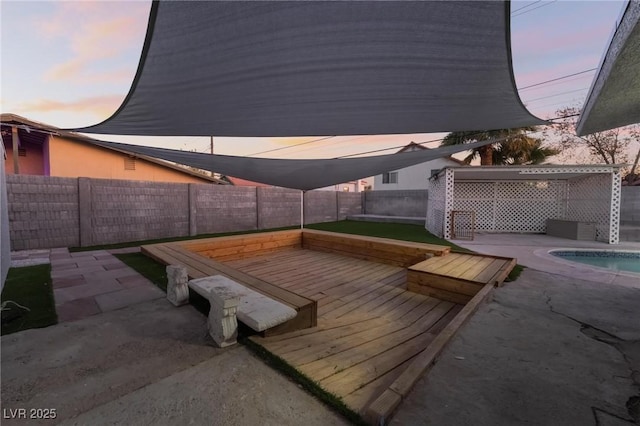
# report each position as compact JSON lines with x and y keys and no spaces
{"x":27,"y":299}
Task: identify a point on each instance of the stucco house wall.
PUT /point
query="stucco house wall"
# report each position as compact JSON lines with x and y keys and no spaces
{"x":414,"y":177}
{"x":69,"y":158}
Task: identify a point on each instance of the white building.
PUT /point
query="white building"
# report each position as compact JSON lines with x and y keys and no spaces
{"x":413,"y":177}
{"x":353,"y":186}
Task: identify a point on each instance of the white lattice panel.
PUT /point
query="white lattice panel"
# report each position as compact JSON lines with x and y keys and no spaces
{"x":483,"y":209}
{"x":511,"y":206}
{"x":589,"y":200}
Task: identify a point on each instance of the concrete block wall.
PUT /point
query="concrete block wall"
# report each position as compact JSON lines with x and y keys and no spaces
{"x":410,"y":202}
{"x":47,"y":212}
{"x":5,"y":240}
{"x":630,"y":206}
{"x":221,"y":208}
{"x":320,"y":206}
{"x":43,"y":212}
{"x":133,"y":211}
{"x":349,"y":203}
{"x":278,"y":207}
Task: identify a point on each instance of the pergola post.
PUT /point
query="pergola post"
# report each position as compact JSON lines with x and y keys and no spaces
{"x":448,"y":202}
{"x":614,"y":209}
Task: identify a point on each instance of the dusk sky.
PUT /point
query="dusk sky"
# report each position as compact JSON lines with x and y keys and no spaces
{"x":71,"y":63}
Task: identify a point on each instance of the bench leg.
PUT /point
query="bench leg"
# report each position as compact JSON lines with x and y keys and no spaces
{"x":177,"y":285}
{"x":223,"y":325}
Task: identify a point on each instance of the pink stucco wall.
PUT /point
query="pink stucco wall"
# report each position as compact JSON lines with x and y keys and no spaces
{"x":32,"y":164}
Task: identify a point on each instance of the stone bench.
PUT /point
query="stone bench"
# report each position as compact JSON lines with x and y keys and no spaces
{"x":228,"y":299}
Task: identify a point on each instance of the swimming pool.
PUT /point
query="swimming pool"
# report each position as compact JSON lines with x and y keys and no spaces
{"x":616,"y":260}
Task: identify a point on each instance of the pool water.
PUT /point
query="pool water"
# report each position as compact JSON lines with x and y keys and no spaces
{"x":616,"y":260}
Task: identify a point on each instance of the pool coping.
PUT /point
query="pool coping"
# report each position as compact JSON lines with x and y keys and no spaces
{"x":546,"y":253}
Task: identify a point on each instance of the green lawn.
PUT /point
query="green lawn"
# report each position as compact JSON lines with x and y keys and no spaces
{"x":31,"y":288}
{"x":149,"y":268}
{"x":398,"y":231}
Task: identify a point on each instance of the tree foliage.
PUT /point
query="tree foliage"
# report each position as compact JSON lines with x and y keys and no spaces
{"x":514,"y":146}
{"x":609,"y":146}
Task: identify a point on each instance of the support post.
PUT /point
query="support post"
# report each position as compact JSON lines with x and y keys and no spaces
{"x":193,"y":212}
{"x":177,"y":285}
{"x":302,"y":209}
{"x":16,"y":146}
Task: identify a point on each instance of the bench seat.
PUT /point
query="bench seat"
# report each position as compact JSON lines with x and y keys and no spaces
{"x":254,"y":310}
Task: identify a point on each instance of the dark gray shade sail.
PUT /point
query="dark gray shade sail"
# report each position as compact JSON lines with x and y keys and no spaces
{"x":297,"y":174}
{"x":614,"y":98}
{"x":312,"y":68}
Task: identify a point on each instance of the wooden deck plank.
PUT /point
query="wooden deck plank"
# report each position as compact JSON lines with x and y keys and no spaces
{"x":335,"y":268}
{"x":423,"y":361}
{"x":452,"y":266}
{"x":472,"y":272}
{"x":469,"y":288}
{"x":361,"y":398}
{"x":357,"y":352}
{"x":299,"y":259}
{"x":348,"y":281}
{"x":353,"y":304}
{"x":490,"y":271}
{"x":462,"y":268}
{"x":318,"y":348}
{"x":344,"y":297}
{"x":236,"y":240}
{"x":303,"y":343}
{"x":435,"y":263}
{"x":363,"y":373}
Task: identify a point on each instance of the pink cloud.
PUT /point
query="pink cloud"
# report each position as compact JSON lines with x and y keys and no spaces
{"x":100,"y":106}
{"x":96,"y":33}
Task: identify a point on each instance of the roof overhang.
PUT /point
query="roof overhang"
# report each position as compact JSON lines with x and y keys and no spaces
{"x":614,"y":98}
{"x":539,"y":172}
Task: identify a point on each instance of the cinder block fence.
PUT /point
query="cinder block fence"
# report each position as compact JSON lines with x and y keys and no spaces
{"x":46,"y":212}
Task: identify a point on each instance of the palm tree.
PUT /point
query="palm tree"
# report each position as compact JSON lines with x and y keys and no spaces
{"x":514,"y":146}
{"x":522,"y":151}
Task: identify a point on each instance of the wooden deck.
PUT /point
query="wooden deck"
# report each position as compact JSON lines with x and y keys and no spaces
{"x":369,"y":326}
{"x":373,"y":314}
{"x":458,"y":277}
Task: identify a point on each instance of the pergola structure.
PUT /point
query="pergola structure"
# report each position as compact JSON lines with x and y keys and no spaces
{"x":522,"y":198}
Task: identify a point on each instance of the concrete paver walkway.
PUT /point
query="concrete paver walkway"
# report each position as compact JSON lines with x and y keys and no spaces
{"x":90,"y":282}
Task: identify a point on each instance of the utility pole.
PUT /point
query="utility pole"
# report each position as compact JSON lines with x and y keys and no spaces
{"x":212,"y":153}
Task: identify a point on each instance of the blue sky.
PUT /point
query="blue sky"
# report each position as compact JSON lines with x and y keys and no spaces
{"x":70,"y":63}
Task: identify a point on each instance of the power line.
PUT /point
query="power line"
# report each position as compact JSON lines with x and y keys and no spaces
{"x":559,"y":82}
{"x":556,"y":79}
{"x":531,"y":10}
{"x":291,"y":146}
{"x":438,"y":140}
{"x":557,"y":94}
{"x":348,"y":139}
{"x":526,"y":6}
